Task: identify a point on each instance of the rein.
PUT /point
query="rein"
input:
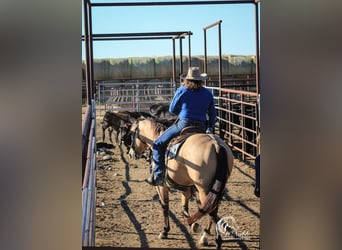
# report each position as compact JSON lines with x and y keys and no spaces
{"x":136,"y":133}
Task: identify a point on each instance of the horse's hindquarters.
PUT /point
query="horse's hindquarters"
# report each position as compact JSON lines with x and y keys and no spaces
{"x":205,"y":161}
{"x":195,"y":163}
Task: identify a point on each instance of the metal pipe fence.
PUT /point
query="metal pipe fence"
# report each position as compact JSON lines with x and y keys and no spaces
{"x":89,"y":177}
{"x":237,"y":109}
{"x":133,"y":95}
{"x":237,"y":120}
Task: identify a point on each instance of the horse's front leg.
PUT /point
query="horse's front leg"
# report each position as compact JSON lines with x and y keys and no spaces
{"x":117,"y":137}
{"x":149,"y":156}
{"x":110,"y":131}
{"x":120,"y":136}
{"x":164,"y":202}
{"x":103,"y":134}
{"x":185,"y":197}
{"x":164,"y":234}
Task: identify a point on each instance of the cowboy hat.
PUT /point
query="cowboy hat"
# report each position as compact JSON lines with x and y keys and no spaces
{"x":194,"y":74}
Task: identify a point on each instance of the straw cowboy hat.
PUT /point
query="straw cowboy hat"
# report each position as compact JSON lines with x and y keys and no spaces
{"x":194,"y":74}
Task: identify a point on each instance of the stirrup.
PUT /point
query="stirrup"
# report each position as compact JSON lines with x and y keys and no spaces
{"x":150,"y":180}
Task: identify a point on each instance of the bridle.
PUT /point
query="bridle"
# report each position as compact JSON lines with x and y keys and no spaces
{"x":136,"y":135}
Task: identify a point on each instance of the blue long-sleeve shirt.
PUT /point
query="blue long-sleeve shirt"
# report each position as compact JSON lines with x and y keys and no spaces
{"x":194,"y":105}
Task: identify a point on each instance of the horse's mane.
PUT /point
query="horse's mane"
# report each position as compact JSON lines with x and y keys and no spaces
{"x":165,"y":123}
{"x":160,"y":125}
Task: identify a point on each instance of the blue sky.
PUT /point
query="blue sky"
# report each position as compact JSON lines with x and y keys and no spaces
{"x":237,"y":29}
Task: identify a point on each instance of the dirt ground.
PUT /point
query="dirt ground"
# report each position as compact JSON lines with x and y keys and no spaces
{"x":128,"y":213}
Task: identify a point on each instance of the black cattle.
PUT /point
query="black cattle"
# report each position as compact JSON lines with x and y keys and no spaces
{"x":161,"y":111}
{"x":250,"y":124}
{"x":235,"y":119}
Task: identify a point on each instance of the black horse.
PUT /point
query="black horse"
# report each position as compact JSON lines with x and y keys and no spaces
{"x":120,"y":123}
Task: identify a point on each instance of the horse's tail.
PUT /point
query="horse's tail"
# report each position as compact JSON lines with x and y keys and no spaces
{"x":217,"y":188}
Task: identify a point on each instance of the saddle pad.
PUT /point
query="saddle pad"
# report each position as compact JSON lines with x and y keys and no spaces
{"x":176,"y":143}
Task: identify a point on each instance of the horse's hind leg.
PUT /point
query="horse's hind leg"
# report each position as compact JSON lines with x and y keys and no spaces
{"x":212,"y":219}
{"x":215,"y":219}
{"x":185,"y":197}
{"x":203,"y":241}
{"x":164,"y":202}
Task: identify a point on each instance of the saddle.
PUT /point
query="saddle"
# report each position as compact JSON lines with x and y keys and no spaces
{"x":176,"y":143}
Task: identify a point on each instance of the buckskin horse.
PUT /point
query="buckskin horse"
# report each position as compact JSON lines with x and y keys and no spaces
{"x":203,"y":162}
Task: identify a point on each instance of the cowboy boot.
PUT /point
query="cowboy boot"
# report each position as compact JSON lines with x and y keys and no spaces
{"x":154,"y":182}
{"x":150,"y":179}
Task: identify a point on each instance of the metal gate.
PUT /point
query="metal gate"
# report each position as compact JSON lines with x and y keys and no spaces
{"x":133,"y":95}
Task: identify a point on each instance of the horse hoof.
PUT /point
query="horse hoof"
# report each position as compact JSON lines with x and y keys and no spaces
{"x":185,"y":214}
{"x":162,"y":236}
{"x":203,"y":241}
{"x":195,"y":228}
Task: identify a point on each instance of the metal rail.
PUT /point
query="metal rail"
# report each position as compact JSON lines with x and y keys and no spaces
{"x":170,"y":3}
{"x":237,"y":120}
{"x":89,"y":177}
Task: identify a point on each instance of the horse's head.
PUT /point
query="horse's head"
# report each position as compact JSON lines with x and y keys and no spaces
{"x":105,"y":125}
{"x":107,"y":116}
{"x":106,"y":120}
{"x":126,"y":135}
{"x":138,"y":139}
{"x":143,"y":132}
